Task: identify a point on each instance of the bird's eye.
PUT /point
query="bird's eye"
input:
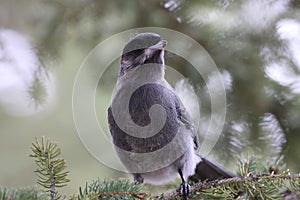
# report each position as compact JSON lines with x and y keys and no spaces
{"x":129,"y":57}
{"x":135,"y":53}
{"x":132,"y":54}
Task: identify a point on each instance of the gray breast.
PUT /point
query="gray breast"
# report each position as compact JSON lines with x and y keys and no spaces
{"x":140,"y":103}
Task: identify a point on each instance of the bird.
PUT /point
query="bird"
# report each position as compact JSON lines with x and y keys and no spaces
{"x":152,"y":132}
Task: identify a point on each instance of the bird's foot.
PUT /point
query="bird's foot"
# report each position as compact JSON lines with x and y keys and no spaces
{"x":138,"y":179}
{"x":184,"y":191}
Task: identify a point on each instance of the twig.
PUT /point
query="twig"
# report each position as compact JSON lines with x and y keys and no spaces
{"x":139,"y":195}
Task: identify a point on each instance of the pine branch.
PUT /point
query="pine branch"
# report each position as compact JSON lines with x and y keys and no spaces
{"x":23,"y":194}
{"x":256,"y":181}
{"x":117,"y":189}
{"x":239,"y":182}
{"x":50,"y":169}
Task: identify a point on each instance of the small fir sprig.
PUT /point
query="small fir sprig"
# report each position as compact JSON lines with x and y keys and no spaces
{"x":114,"y":189}
{"x":50,"y":169}
{"x":23,"y":194}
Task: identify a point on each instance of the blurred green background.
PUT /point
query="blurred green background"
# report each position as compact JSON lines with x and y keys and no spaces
{"x":255,"y":45}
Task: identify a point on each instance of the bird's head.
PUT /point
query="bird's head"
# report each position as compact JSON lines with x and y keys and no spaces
{"x":142,"y":49}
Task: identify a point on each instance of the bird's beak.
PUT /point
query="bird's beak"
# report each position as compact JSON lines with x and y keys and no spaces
{"x":160,"y":45}
{"x":154,"y":48}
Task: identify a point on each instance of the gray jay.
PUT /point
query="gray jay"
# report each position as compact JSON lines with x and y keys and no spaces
{"x":151,"y":130}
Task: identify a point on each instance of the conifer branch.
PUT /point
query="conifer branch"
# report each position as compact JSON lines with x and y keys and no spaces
{"x":115,"y":189}
{"x":255,"y":181}
{"x":50,"y":169}
{"x":242,"y":183}
{"x":23,"y":194}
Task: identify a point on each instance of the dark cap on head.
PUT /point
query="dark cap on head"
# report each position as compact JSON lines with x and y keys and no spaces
{"x":142,"y":41}
{"x":142,"y":49}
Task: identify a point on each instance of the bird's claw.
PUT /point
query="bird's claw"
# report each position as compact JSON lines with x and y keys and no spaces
{"x":184,"y":191}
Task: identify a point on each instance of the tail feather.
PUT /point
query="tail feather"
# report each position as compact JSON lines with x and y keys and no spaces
{"x":208,"y":170}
